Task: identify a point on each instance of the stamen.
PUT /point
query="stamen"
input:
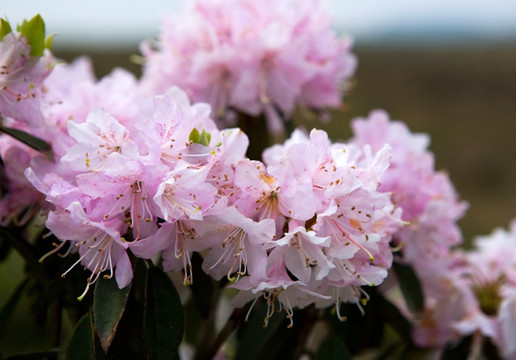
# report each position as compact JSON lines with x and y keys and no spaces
{"x":371,"y":257}
{"x":88,"y":283}
{"x":249,"y":311}
{"x":57,"y":248}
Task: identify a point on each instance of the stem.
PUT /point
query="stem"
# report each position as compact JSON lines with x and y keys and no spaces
{"x":309,"y":319}
{"x":234,"y":320}
{"x":256,"y":130}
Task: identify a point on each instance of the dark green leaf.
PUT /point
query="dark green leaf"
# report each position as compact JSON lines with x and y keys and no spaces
{"x":195,"y":324}
{"x":8,"y":308}
{"x":34,"y":31}
{"x":5,"y":28}
{"x":163,"y":317}
{"x":333,"y":348}
{"x":129,"y":342}
{"x":29,"y":140}
{"x":410,"y":287}
{"x":82,"y":345}
{"x":194,"y":136}
{"x":108,"y":307}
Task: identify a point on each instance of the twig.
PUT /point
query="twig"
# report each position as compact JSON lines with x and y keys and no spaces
{"x":234,"y":320}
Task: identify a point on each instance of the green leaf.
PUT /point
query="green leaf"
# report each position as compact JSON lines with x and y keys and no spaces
{"x":34,"y":31}
{"x":82,"y":345}
{"x":163,"y":320}
{"x":410,"y":287}
{"x":5,"y":28}
{"x":30,"y":140}
{"x":8,"y":308}
{"x":19,"y":26}
{"x":48,"y":41}
{"x":205,"y":138}
{"x":333,"y":348}
{"x":194,"y":136}
{"x":108,"y":307}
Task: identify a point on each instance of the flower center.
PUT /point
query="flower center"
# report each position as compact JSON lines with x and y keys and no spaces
{"x":488,"y":295}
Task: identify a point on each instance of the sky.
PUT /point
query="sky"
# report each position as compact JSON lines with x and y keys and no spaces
{"x":125,"y":23}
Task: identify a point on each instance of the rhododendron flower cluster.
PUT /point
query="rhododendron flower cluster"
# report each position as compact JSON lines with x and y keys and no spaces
{"x":255,"y":57}
{"x":177,"y":184}
{"x":333,"y":226}
{"x":133,"y":176}
{"x":431,"y":209}
{"x":111,"y":179}
{"x":428,"y":199}
{"x":21,"y":74}
{"x":154,"y":174}
{"x":473,"y":295}
{"x":467,"y":293}
{"x":22,"y":71}
{"x":490,"y":309}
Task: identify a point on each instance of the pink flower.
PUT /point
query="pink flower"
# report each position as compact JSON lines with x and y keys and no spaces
{"x":167,"y":131}
{"x":100,"y":246}
{"x":507,"y":321}
{"x":21,"y":76}
{"x":431,"y":209}
{"x":491,"y":277}
{"x":72,"y":92}
{"x":178,"y":240}
{"x":97,"y":138}
{"x":471,"y":293}
{"x":339,"y":223}
{"x":236,"y":244}
{"x":302,"y":253}
{"x":279,"y":291}
{"x":21,"y":201}
{"x":123,"y":186}
{"x":258,"y":58}
{"x":427,"y":197}
{"x":184,"y":193}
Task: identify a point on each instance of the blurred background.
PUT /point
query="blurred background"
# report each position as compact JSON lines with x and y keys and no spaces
{"x":446,"y":69}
